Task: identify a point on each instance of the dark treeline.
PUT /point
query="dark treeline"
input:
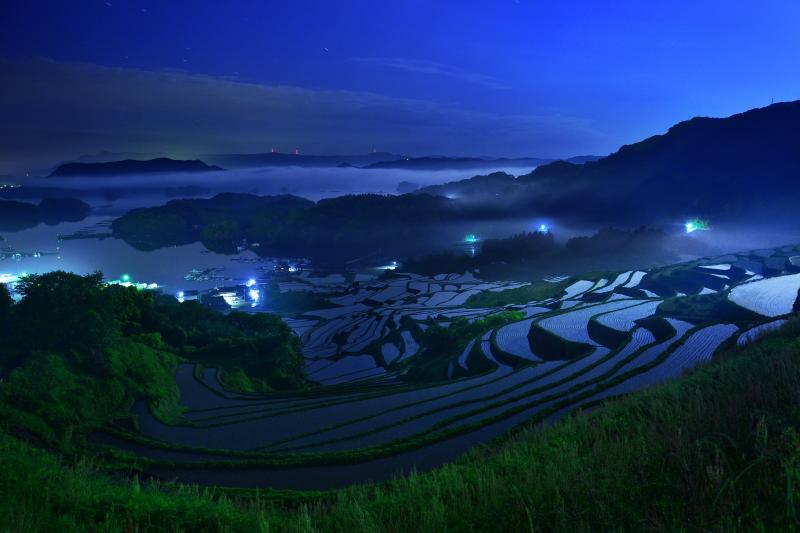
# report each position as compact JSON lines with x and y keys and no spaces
{"x":339,"y":227}
{"x":537,"y":251}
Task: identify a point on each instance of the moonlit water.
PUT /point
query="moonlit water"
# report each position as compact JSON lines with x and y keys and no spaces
{"x":166,"y":266}
{"x":117,"y":194}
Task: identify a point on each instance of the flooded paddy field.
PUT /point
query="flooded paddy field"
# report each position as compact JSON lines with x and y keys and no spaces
{"x":384,"y":400}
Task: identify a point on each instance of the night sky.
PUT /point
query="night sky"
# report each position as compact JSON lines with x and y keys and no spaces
{"x":498,"y":78}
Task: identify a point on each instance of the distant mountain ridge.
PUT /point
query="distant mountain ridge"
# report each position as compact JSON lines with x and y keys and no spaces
{"x":278,"y":159}
{"x":372,"y":160}
{"x":477,"y":163}
{"x":742,"y":164}
{"x":132,"y":166}
{"x":476,"y":187}
{"x":745,"y":165}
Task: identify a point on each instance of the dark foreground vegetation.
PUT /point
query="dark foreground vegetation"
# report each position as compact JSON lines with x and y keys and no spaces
{"x":76,"y":354}
{"x":718,"y":449}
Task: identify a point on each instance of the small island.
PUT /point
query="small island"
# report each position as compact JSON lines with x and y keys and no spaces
{"x":159,"y":165}
{"x":17,"y":216}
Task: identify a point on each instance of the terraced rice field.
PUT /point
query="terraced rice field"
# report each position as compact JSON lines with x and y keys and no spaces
{"x":770,"y":297}
{"x":513,"y":340}
{"x":577,"y":288}
{"x":366,"y":418}
{"x":636,"y":278}
{"x":619,"y":280}
{"x":625,"y":318}
{"x":752,"y":334}
{"x":573,"y":326}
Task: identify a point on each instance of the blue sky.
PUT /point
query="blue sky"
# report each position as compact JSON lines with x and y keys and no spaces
{"x":503,"y":77}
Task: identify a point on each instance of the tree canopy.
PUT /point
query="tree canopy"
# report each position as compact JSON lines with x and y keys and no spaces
{"x":77,"y":352}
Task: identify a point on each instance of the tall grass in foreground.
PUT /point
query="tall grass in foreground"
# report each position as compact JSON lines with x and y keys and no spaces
{"x":716,"y":450}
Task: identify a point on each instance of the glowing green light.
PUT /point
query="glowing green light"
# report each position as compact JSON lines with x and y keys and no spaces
{"x":696,"y":224}
{"x":126,"y":278}
{"x":471,"y":239}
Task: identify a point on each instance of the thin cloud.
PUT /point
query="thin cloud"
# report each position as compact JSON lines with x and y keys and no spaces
{"x":431,"y":67}
{"x":57,"y":110}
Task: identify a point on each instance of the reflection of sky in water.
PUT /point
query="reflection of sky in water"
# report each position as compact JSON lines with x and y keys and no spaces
{"x":114,"y":257}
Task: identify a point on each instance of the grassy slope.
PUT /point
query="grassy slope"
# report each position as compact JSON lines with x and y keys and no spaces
{"x":538,"y":290}
{"x":718,"y":449}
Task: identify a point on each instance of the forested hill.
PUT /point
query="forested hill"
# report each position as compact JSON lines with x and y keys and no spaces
{"x":344,"y":226}
{"x":743,"y":167}
{"x":721,"y":167}
{"x":16,"y":216}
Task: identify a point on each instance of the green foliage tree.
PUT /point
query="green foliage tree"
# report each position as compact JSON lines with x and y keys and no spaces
{"x":261,"y":345}
{"x":77,"y":315}
{"x":222,"y":236}
{"x":523,"y":246}
{"x":78,"y":352}
{"x":63,"y":312}
{"x":5,"y":303}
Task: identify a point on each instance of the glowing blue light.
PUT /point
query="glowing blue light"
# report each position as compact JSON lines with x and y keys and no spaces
{"x":180,"y":294}
{"x":254,"y":294}
{"x":471,"y":239}
{"x":543,"y":228}
{"x":690,"y":227}
{"x":250,"y":282}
